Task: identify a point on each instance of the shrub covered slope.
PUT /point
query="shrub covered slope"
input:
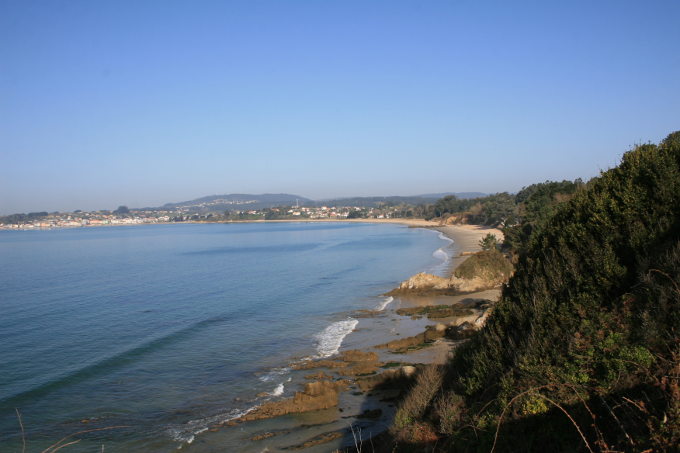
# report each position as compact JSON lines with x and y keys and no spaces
{"x":582,"y":353}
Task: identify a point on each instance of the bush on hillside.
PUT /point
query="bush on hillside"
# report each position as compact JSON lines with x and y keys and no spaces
{"x":489,"y":265}
{"x":582,"y":353}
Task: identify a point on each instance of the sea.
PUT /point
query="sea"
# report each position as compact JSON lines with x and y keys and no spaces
{"x":142,"y":338}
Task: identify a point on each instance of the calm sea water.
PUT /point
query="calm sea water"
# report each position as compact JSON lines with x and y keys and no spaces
{"x":167,"y":329}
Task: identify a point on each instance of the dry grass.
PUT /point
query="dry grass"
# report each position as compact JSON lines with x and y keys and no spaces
{"x":449,"y":409}
{"x":413,"y":407}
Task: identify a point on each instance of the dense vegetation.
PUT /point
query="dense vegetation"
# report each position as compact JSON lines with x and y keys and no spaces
{"x":374,"y":202}
{"x":534,"y":206}
{"x":518,"y":215}
{"x":496,"y":209}
{"x":21,"y":218}
{"x":582,"y":353}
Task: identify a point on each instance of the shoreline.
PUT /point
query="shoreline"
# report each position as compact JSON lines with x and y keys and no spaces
{"x":410,"y":222}
{"x":325,"y":428}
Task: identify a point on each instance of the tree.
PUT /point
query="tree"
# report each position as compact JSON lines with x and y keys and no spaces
{"x":488,"y":242}
{"x":122,"y":210}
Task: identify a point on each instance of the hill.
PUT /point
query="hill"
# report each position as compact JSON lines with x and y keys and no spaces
{"x":235,"y":201}
{"x":461,"y":195}
{"x":240,"y":201}
{"x":375,"y":202}
{"x":582,"y":352}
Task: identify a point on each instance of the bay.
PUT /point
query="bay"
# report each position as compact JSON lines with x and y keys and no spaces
{"x":166,"y":329}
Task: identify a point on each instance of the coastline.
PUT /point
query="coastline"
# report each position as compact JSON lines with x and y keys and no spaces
{"x":376,"y":323}
{"x":343,"y":389}
{"x":411,"y":222}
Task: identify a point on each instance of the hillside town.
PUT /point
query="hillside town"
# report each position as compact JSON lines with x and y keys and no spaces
{"x":124,"y":216}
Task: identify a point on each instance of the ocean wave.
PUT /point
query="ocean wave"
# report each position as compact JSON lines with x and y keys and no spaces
{"x":444,"y":257}
{"x":443,"y":254}
{"x":330,"y":340}
{"x":444,"y":237}
{"x":186,"y":433}
{"x":382,"y":305}
{"x":274,"y":373}
{"x":278,"y":391}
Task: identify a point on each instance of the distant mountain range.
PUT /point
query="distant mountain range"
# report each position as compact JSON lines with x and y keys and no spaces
{"x":242,"y":202}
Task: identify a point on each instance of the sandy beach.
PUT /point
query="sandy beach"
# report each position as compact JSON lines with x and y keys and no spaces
{"x":354,"y":377}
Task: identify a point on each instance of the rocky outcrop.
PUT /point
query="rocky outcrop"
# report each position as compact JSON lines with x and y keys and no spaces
{"x":399,"y":378}
{"x":350,"y":363}
{"x":481,"y":271}
{"x":312,"y":364}
{"x":359,"y":363}
{"x":431,"y":334}
{"x":318,"y":376}
{"x":319,"y":440}
{"x":424,"y":283}
{"x":355,"y":355}
{"x":315,"y":396}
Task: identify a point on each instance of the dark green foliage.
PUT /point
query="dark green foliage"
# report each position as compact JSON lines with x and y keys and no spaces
{"x":519,"y":214}
{"x":493,"y":210}
{"x":373,"y":202}
{"x":583,"y":350}
{"x":673,"y":140}
{"x":489,"y":242}
{"x":535,"y":205}
{"x":451,"y":204}
{"x":22,"y":218}
{"x":271,"y":214}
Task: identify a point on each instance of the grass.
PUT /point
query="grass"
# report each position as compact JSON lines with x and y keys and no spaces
{"x":487,"y":264}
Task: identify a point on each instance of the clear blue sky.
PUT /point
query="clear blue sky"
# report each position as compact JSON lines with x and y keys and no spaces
{"x":146,"y":102}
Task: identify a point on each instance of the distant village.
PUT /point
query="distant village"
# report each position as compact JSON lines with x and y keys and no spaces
{"x":124,"y":216}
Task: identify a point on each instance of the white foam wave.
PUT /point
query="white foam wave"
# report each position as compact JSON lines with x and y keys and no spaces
{"x":444,"y":237}
{"x":186,"y":433}
{"x":278,"y":391}
{"x":441,"y":254}
{"x":330,"y":340}
{"x":382,"y":305}
{"x":274,"y":373}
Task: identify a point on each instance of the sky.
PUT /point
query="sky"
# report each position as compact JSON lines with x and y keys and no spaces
{"x":141,"y":103}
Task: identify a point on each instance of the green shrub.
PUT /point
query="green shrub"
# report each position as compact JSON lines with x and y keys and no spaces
{"x":488,"y":264}
{"x":584,"y":345}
